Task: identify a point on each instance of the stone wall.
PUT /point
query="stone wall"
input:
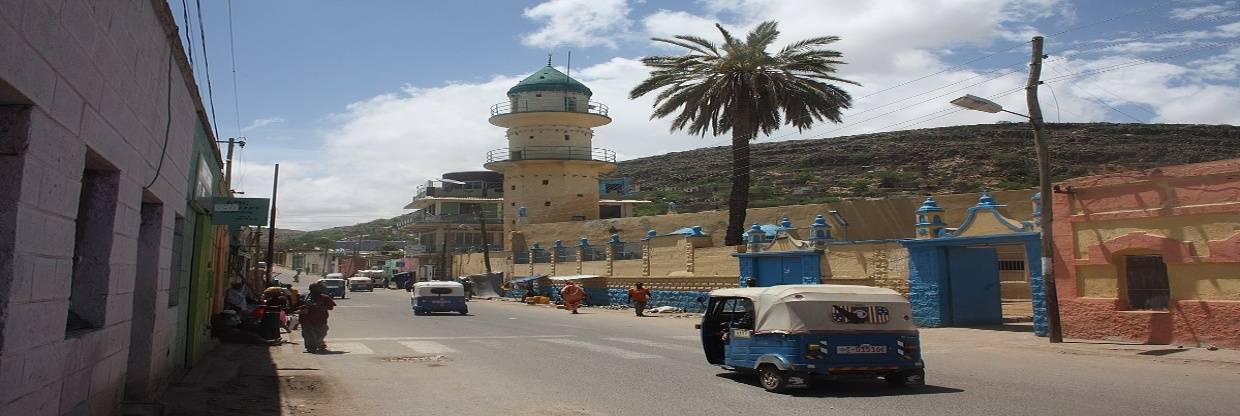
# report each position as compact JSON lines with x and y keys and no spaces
{"x":83,"y":86}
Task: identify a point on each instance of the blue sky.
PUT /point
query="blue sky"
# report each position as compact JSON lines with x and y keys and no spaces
{"x":362,"y":101}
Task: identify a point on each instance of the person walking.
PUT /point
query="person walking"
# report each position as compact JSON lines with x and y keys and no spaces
{"x":639,"y":295}
{"x":572,"y":295}
{"x":313,"y":318}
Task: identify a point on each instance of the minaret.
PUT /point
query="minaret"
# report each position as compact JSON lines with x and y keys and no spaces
{"x":550,"y":166}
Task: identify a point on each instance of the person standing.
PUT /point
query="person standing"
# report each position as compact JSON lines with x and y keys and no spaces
{"x":639,"y":295}
{"x":313,"y":318}
{"x":572,"y":295}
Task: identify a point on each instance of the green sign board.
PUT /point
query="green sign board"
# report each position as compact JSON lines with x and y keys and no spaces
{"x":239,"y":211}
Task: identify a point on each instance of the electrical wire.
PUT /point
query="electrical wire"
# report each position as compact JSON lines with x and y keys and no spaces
{"x":1058,"y":115}
{"x":206,"y":62}
{"x":1081,"y":89}
{"x":163,"y":152}
{"x":189,"y":33}
{"x":232,"y":51}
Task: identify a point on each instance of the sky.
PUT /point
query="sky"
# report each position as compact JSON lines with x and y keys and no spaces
{"x":360,"y":102}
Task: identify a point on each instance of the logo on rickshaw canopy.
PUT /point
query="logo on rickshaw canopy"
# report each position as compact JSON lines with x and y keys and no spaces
{"x":860,"y":314}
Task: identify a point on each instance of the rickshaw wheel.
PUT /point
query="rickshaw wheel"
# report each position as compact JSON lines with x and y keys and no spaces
{"x":772,"y":379}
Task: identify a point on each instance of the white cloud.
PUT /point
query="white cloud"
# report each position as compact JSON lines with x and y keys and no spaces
{"x":1214,"y":10}
{"x":375,"y":152}
{"x":263,"y":122}
{"x":578,"y":23}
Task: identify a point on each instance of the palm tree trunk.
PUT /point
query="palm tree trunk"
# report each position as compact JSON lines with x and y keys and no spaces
{"x":738,"y":199}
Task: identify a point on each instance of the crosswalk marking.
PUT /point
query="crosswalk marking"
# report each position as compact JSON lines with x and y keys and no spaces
{"x":619,"y":352}
{"x":492,"y":343}
{"x":351,"y":347}
{"x":428,"y":347}
{"x":649,"y":343}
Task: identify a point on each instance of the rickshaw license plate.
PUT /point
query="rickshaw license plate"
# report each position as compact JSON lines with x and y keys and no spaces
{"x":861,"y":349}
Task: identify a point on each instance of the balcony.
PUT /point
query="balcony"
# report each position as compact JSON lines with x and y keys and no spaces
{"x":419,"y":218}
{"x":571,"y":106}
{"x":514,"y":154}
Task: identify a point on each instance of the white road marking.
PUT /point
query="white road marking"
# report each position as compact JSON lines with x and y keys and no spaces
{"x":428,"y":347}
{"x":492,"y":343}
{"x":448,"y":338}
{"x":649,"y":343}
{"x":619,"y":352}
{"x":687,"y":337}
{"x":350,"y":347}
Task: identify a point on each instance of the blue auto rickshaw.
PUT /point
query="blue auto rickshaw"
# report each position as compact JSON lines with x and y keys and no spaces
{"x":334,"y":285}
{"x":431,"y":297}
{"x":792,"y":334}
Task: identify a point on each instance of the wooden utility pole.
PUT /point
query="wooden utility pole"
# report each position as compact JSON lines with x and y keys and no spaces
{"x":486,"y":239}
{"x":271,"y":228}
{"x":1044,"y":187}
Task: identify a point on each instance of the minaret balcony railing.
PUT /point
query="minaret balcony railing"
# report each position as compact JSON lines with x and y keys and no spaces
{"x":512,"y":154}
{"x":527,"y":106}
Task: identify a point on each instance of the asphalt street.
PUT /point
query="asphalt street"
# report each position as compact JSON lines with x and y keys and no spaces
{"x":511,"y":358}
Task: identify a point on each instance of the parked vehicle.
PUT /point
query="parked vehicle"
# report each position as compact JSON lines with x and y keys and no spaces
{"x":334,"y":285}
{"x":430,"y":297}
{"x":360,"y":283}
{"x":792,"y":334}
{"x":378,"y":278}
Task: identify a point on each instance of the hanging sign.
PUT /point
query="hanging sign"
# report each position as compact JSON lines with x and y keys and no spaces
{"x":239,"y":211}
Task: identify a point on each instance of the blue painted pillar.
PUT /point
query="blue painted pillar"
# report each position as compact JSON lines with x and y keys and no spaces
{"x":928,"y":291}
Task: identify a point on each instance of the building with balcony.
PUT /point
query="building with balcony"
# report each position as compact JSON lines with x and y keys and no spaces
{"x":551,"y":169}
{"x":450,"y":215}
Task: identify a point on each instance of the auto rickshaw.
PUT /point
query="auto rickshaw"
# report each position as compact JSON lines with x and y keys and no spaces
{"x":430,"y":297}
{"x":334,"y":285}
{"x":791,"y":334}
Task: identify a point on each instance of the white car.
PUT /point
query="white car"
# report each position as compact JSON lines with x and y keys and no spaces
{"x":360,"y":283}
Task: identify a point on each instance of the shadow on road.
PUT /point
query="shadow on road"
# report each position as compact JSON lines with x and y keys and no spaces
{"x":846,"y":388}
{"x":233,"y":379}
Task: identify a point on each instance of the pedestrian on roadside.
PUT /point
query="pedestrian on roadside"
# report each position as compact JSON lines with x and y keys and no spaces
{"x":234,"y":299}
{"x":572,"y":294}
{"x":313,"y":318}
{"x":639,"y":295}
{"x":271,"y":319}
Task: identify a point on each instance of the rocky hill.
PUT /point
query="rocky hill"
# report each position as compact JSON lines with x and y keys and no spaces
{"x":915,"y":162}
{"x":901,"y":163}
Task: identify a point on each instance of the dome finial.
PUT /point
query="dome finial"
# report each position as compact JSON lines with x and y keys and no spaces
{"x":548,"y":59}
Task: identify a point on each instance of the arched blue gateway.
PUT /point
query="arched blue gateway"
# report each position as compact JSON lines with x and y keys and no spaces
{"x":954,"y":275}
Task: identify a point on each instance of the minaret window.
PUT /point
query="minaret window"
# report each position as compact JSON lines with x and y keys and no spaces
{"x":546,"y":203}
{"x":545,"y":182}
{"x":566,"y":137}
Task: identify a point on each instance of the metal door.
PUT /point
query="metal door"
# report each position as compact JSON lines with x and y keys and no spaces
{"x":973,"y":278}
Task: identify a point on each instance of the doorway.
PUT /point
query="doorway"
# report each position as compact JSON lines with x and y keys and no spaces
{"x":973,"y":276}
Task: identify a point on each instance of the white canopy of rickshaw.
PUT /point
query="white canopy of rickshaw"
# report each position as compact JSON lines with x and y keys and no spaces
{"x":424,"y":288}
{"x":804,"y":308}
{"x":573,"y":277}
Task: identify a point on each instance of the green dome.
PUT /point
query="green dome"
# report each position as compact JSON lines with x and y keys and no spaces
{"x":549,"y":79}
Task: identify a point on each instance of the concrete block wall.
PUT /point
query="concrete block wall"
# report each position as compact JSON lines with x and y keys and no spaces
{"x":87,"y":77}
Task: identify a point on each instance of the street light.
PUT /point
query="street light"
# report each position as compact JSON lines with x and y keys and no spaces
{"x":976,"y":103}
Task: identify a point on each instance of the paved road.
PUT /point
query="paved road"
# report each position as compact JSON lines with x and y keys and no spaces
{"x":526,"y":360}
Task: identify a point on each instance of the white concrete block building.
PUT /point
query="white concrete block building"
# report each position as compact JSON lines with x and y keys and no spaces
{"x":103,"y":140}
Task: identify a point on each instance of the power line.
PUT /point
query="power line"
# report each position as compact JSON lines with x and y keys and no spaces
{"x":206,"y":62}
{"x":1137,"y":62}
{"x":189,"y":33}
{"x":1094,"y":98}
{"x":232,"y":51}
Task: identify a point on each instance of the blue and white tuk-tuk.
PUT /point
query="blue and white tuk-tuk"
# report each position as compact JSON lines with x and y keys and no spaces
{"x":792,"y":334}
{"x":430,"y":297}
{"x":334,"y":285}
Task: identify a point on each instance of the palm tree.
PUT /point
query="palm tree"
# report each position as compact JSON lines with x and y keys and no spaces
{"x":740,"y":87}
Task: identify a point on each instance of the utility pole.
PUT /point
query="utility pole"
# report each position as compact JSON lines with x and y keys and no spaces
{"x":228,"y":164}
{"x":443,"y":258}
{"x":1047,"y":198}
{"x":271,"y":228}
{"x":486,"y":239}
